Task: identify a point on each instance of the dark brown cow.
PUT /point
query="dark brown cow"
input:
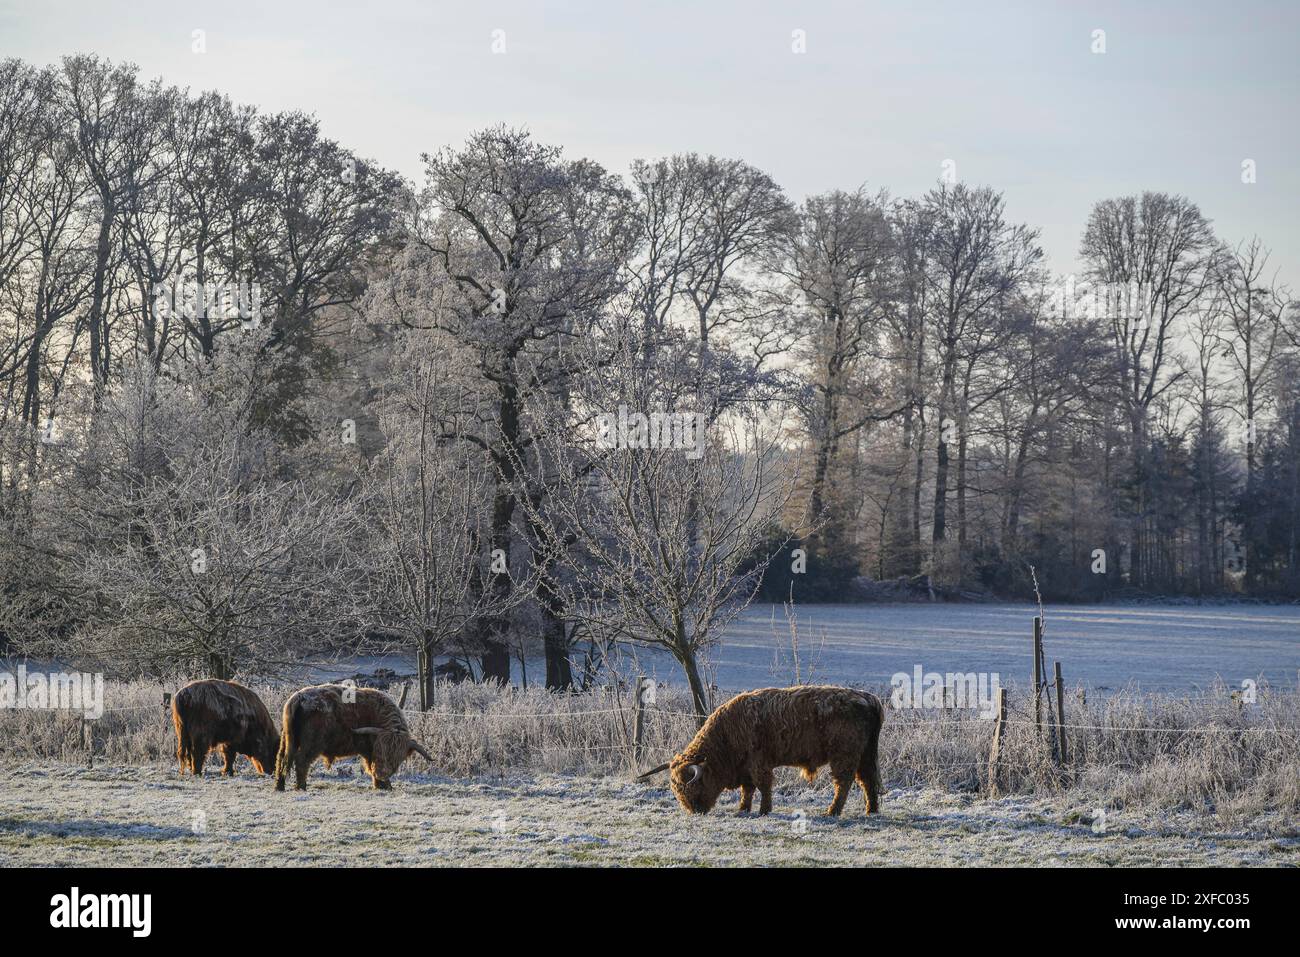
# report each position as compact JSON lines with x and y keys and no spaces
{"x":338,"y":721}
{"x":804,"y":727}
{"x":211,"y":713}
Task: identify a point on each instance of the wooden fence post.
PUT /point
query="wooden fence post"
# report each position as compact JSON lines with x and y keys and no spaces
{"x":167,"y":700}
{"x":1038,"y":671}
{"x":638,"y":721}
{"x":1060,"y":715}
{"x":999,"y":728}
{"x":88,"y":741}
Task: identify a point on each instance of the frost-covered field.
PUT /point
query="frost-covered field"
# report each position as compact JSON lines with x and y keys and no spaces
{"x":1189,"y":775}
{"x":124,"y":816}
{"x":1152,"y":647}
{"x":1155,"y":647}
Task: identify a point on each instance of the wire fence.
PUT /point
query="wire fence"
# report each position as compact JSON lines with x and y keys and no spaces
{"x":1207,"y":746}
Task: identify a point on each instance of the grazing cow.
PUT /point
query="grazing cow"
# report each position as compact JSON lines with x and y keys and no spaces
{"x":804,"y":727}
{"x":336,"y":721}
{"x":211,"y":713}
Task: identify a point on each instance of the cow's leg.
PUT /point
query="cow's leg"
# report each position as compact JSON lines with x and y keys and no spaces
{"x":843,"y":778}
{"x":870,"y":785}
{"x":283,"y":761}
{"x":229,"y":753}
{"x":765,"y":792}
{"x":198,"y":756}
{"x":869,"y":777}
{"x":300,"y":766}
{"x":746,"y":798}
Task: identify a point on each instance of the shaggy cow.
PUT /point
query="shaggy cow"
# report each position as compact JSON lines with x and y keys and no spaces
{"x":334,"y":721}
{"x":211,"y":713}
{"x":755,"y":732}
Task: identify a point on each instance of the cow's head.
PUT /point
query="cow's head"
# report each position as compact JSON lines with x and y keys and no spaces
{"x":694,"y":783}
{"x":388,"y":749}
{"x":264,"y":758}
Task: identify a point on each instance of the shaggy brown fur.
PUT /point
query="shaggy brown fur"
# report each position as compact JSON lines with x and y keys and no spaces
{"x":211,"y":713}
{"x":323,"y":722}
{"x":804,"y":727}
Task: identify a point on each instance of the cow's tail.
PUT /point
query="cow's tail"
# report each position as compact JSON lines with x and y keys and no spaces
{"x":184,"y":747}
{"x":284,"y":757}
{"x":869,"y":766}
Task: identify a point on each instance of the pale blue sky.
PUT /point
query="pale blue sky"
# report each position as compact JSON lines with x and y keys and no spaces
{"x":885,"y":92}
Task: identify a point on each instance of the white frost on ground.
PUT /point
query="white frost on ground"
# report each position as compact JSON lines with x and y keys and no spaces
{"x":1156,"y":648}
{"x":124,"y":816}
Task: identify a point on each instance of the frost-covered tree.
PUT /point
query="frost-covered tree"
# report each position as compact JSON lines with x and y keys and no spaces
{"x":514,"y":252}
{"x":660,"y":516}
{"x":183,"y":536}
{"x":428,"y":498}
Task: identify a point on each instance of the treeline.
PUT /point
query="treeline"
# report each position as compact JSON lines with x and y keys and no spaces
{"x":263,"y":398}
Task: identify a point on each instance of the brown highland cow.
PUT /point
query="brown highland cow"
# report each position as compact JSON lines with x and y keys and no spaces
{"x":211,"y":713}
{"x":804,"y":727}
{"x":337,"y":721}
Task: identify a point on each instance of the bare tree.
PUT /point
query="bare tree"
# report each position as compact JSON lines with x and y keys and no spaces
{"x":1149,"y":259}
{"x":1253,"y":309}
{"x":706,"y":225}
{"x":838,"y":261}
{"x":117,"y":129}
{"x":429,"y":496}
{"x":975,"y":263}
{"x":662,"y":526}
{"x":182,"y":542}
{"x":514,"y":254}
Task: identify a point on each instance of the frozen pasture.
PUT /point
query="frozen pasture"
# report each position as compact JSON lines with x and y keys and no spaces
{"x":62,"y":815}
{"x":1153,"y":647}
{"x":1173,"y":648}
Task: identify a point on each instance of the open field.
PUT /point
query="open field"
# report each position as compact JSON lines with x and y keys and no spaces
{"x":521,"y":776}
{"x":1152,"y":647}
{"x":534,"y":778}
{"x":1168,"y":648}
{"x":1208,"y":753}
{"x":55,"y":814}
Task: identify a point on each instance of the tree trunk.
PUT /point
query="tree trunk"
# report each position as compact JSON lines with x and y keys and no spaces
{"x":559,"y":670}
{"x":1010,"y":545}
{"x":940,"y":488}
{"x":961,"y":495}
{"x":917,"y":480}
{"x":496,"y":653}
{"x":218,"y":666}
{"x":699,"y":698}
{"x":98,"y":333}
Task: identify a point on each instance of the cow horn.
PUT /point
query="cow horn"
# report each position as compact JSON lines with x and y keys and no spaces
{"x":696,"y":771}
{"x":367,"y":730}
{"x":415,"y":746}
{"x":642,"y":777}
